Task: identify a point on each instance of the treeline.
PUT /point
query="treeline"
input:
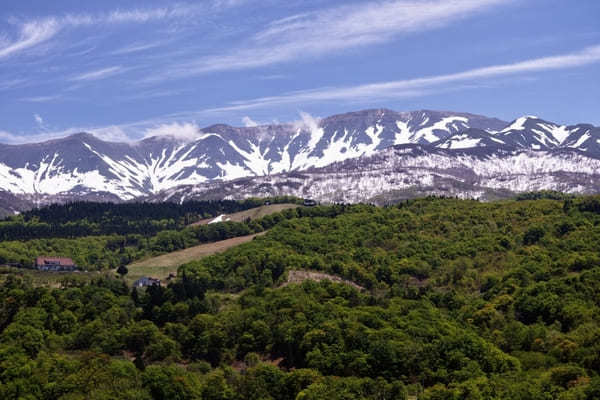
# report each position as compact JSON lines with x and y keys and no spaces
{"x":99,"y":219}
{"x":544,"y":194}
{"x":110,"y":251}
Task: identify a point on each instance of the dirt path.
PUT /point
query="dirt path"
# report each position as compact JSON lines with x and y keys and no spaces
{"x":253,"y":213}
{"x":160,"y":267}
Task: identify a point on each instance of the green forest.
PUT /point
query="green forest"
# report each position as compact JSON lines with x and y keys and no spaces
{"x":100,"y":236}
{"x":460,"y":299}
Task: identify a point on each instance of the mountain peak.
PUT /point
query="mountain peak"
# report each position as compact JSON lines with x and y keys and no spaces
{"x":83,"y":162}
{"x":82,"y":136}
{"x":218,"y":128}
{"x":75,"y":137}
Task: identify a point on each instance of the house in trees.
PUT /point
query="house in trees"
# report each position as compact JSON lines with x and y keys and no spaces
{"x":145,"y":282}
{"x":55,"y":264}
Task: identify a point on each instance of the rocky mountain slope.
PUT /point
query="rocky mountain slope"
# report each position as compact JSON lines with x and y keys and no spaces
{"x":407,"y":171}
{"x":360,"y":155}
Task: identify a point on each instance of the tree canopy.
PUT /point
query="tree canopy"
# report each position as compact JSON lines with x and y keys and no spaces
{"x":461,"y":300}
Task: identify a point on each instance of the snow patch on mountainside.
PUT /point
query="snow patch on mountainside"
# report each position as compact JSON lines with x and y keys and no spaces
{"x":52,"y":178}
{"x":220,"y":218}
{"x":160,"y":172}
{"x":428,"y":133}
{"x":231,"y":171}
{"x":558,"y":133}
{"x":477,"y":147}
{"x":581,"y":140}
{"x":255,"y":159}
{"x":444,"y":172}
{"x":460,"y":142}
{"x":404,"y":135}
{"x":518,"y":124}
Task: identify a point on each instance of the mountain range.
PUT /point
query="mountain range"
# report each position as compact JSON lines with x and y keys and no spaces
{"x":372,"y":155}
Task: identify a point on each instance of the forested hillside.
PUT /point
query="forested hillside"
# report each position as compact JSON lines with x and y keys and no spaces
{"x":99,"y":236}
{"x":92,"y":219}
{"x":461,"y":300}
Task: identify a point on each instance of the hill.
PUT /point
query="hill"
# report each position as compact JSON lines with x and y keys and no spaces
{"x":455,"y":299}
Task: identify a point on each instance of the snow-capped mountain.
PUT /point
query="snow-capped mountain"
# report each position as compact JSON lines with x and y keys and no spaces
{"x":407,"y":171}
{"x":473,"y":138}
{"x":537,"y":134}
{"x":82,"y":164}
{"x":220,"y":156}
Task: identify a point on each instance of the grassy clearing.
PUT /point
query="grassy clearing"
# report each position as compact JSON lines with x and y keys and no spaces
{"x":252,"y":213}
{"x":50,"y":279}
{"x":160,"y":267}
{"x":299,"y":276}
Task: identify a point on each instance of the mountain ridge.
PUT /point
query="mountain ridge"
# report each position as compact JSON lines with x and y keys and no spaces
{"x":82,"y":165}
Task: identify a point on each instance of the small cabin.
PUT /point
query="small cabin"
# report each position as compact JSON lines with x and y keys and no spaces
{"x":145,"y":282}
{"x":55,"y":264}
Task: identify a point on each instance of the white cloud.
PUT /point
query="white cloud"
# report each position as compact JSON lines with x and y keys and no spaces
{"x":15,"y":138}
{"x":249,"y":122}
{"x":167,"y":125}
{"x":108,"y":133}
{"x":136,"y":47}
{"x":307,"y":122}
{"x":37,"y":31}
{"x":151,"y":94}
{"x":420,"y":86}
{"x":30,"y":34}
{"x":223,"y":4}
{"x":41,"y":124}
{"x":273,"y":77}
{"x":98,"y":74}
{"x":12,"y":83}
{"x":7,"y":137}
{"x":183,"y":131}
{"x":336,"y":29}
{"x":111,"y":133}
{"x":40,"y":99}
{"x":145,"y":15}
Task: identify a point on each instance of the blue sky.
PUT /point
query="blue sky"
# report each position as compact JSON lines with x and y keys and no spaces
{"x":127,"y":69}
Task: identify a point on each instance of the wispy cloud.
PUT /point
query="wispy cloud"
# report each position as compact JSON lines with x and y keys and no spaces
{"x":172,"y":124}
{"x":249,"y":122}
{"x":108,"y":133}
{"x":419,"y":86}
{"x":273,"y":77}
{"x":37,"y":31}
{"x":334,"y":30}
{"x":40,"y":99}
{"x":40,"y":122}
{"x":184,"y":131}
{"x":152,"y":94}
{"x":38,"y":119}
{"x":12,"y":83}
{"x":136,"y":47}
{"x":98,"y":74}
{"x":30,"y":34}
